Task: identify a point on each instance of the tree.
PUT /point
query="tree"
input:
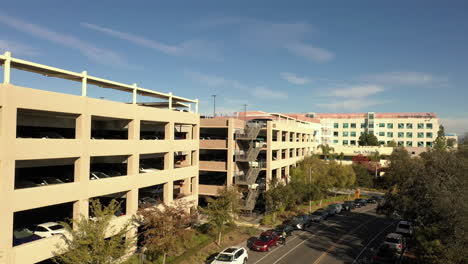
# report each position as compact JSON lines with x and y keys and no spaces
{"x":441,"y":142}
{"x":451,"y":142}
{"x":363,"y":177}
{"x":392,"y":144}
{"x":164,"y":226}
{"x":86,"y":240}
{"x":222,"y":210}
{"x":368,"y":139}
{"x":326,"y":150}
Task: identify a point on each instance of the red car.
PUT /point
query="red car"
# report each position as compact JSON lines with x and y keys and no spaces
{"x":265,"y":241}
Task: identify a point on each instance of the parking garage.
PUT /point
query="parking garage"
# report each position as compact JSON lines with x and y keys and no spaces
{"x":212,"y":178}
{"x":36,"y":173}
{"x":108,"y":166}
{"x":150,"y":196}
{"x":151,"y":162}
{"x":45,"y":124}
{"x":150,"y":130}
{"x":213,"y":133}
{"x":109,"y":128}
{"x":183,"y":131}
{"x":105,"y":200}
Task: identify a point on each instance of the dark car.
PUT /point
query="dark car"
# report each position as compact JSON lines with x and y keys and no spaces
{"x":319,"y":216}
{"x":265,"y":241}
{"x":348,"y":205}
{"x":286,"y":228}
{"x":360,"y":202}
{"x":300,"y":222}
{"x":385,"y":255}
{"x":24,"y":235}
{"x":372,"y":200}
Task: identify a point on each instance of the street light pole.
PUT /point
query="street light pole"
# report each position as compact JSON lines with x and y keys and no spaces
{"x":245,"y":112}
{"x":214,"y":105}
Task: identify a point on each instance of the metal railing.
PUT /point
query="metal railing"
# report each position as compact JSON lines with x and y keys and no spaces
{"x":249,"y":178}
{"x":250,"y":200}
{"x":250,"y":132}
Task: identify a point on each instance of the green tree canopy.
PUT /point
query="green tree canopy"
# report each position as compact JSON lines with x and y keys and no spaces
{"x":368,"y":139}
{"x":441,"y":141}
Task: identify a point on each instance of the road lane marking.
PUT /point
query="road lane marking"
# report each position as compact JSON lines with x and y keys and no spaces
{"x":364,"y":249}
{"x":318,"y":231}
{"x":324,"y":254}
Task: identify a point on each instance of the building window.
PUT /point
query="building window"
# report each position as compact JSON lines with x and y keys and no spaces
{"x":429,"y":144}
{"x":381,"y":124}
{"x":401,"y":143}
{"x":429,"y":134}
{"x":371,"y":125}
{"x":409,"y":143}
{"x":335,"y":125}
{"x":409,"y":134}
{"x":381,"y":134}
{"x":345,"y":142}
{"x":401,"y":125}
{"x":353,"y":125}
{"x":390,"y":125}
{"x":345,"y":134}
{"x":345,"y":125}
{"x":335,"y":134}
{"x":371,"y":116}
{"x":381,"y":142}
{"x":401,"y":134}
{"x":353,"y":142}
{"x":409,"y":126}
{"x":420,"y":144}
{"x":363,"y":125}
{"x":335,"y":141}
{"x":390,"y":134}
{"x":429,"y":125}
{"x":353,"y":133}
{"x":420,"y":134}
{"x":420,"y":125}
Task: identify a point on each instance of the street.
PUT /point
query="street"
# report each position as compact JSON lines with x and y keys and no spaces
{"x":344,"y":238}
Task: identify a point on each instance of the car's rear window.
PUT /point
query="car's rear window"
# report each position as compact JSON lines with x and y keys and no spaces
{"x":392,"y":240}
{"x":55,"y":227}
{"x":224,"y":257}
{"x":264,"y":238}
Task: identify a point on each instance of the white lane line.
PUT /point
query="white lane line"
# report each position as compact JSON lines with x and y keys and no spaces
{"x":284,"y":255}
{"x":344,"y":216}
{"x":364,"y":249}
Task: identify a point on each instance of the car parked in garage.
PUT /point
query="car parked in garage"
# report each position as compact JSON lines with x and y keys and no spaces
{"x":23,"y":235}
{"x":48,"y":229}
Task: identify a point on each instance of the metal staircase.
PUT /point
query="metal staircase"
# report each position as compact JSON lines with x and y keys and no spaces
{"x":250,"y":132}
{"x":250,"y":177}
{"x":250,"y":155}
{"x":250,"y":200}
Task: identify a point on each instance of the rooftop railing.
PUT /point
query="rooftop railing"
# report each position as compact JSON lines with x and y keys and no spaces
{"x":9,"y":62}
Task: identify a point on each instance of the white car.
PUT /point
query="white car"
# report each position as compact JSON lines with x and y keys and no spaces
{"x":405,"y":228}
{"x":49,"y":229}
{"x":395,"y":241}
{"x":145,"y":169}
{"x":234,"y":255}
{"x":96,"y":175}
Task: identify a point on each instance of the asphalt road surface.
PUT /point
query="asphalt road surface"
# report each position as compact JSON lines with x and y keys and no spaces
{"x":344,"y":238}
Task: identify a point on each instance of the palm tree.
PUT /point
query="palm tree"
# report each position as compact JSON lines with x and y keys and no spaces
{"x":326,"y":150}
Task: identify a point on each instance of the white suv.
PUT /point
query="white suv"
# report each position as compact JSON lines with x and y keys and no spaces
{"x":405,"y":228}
{"x":235,"y":255}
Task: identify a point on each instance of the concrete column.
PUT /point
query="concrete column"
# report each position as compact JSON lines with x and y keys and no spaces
{"x":134,"y":129}
{"x":132,"y":201}
{"x":135,"y":88}
{"x":170,"y":101}
{"x":169,"y":131}
{"x":287,"y":136}
{"x":194,"y":184}
{"x":81,"y":209}
{"x":196,"y":105}
{"x":230,"y":153}
{"x":278,"y":173}
{"x":168,"y":192}
{"x":294,"y":137}
{"x":7,"y":68}
{"x":133,"y":164}
{"x":84,"y":83}
{"x":169,"y":161}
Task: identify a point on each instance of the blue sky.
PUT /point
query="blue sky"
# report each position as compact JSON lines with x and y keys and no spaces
{"x":277,"y":56}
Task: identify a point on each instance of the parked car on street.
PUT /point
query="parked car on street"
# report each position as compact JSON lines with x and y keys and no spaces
{"x":234,"y":255}
{"x":361,"y":202}
{"x":371,"y":200}
{"x":299,"y":222}
{"x":265,"y":241}
{"x":338,"y":208}
{"x":48,"y":229}
{"x":350,"y":204}
{"x":23,"y":235}
{"x":405,"y":228}
{"x":396,"y":241}
{"x":319,"y":215}
{"x":286,"y":228}
{"x":385,"y":255}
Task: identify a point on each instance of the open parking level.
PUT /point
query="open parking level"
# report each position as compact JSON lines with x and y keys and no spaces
{"x":341,"y":239}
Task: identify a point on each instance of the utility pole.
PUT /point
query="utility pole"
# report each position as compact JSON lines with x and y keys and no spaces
{"x":245,"y":112}
{"x":214,"y":105}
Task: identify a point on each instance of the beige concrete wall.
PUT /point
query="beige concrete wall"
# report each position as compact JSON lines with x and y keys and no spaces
{"x":83,"y":148}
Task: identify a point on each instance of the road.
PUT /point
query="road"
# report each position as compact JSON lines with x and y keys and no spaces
{"x":344,"y":238}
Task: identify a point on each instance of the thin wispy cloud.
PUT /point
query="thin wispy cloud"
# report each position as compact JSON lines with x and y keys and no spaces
{"x":293,"y":78}
{"x":260,"y":92}
{"x":456,"y":125}
{"x":351,"y":105}
{"x":88,"y":49}
{"x":193,"y":48}
{"x":310,"y":52}
{"x":266,"y":35}
{"x":17,"y":48}
{"x":400,"y":78}
{"x":358,"y":91}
